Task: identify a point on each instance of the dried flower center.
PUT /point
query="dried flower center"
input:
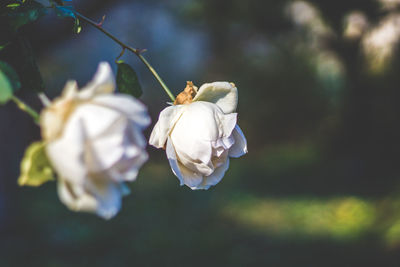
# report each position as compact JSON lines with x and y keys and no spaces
{"x":187,"y":95}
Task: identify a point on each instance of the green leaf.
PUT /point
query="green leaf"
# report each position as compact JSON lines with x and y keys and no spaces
{"x":18,"y":54}
{"x":6,"y":91}
{"x":9,"y":82}
{"x":11,"y":74}
{"x":35,"y":166}
{"x":25,"y":13}
{"x":127,"y":80}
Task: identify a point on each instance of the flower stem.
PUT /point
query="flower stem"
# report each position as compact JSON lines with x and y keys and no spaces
{"x":25,"y":107}
{"x":137,"y":52}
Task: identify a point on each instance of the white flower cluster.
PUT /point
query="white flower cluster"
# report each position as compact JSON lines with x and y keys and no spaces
{"x":94,"y":140}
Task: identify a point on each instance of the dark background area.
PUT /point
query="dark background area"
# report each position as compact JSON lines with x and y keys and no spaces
{"x":318,"y":103}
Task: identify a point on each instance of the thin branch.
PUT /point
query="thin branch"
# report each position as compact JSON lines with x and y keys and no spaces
{"x":137,"y":52}
{"x":120,"y":55}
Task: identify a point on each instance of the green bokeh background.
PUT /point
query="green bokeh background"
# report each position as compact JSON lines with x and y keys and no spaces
{"x":319,"y":186}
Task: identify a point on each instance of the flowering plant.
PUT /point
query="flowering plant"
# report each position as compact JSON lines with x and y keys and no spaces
{"x":92,"y":138}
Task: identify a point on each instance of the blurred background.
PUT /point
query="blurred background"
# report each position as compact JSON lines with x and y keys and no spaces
{"x":318,"y":102}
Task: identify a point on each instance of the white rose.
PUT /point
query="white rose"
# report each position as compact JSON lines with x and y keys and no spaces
{"x":201,"y":135}
{"x":95,"y":143}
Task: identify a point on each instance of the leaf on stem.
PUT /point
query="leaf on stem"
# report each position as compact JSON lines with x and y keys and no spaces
{"x":127,"y":80}
{"x":19,"y":54}
{"x":9,"y":82}
{"x":23,"y":13}
{"x":35,"y":166}
{"x":6,"y":91}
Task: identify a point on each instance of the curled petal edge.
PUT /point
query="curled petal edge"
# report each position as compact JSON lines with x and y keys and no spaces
{"x":165,"y":124}
{"x":223,"y":94}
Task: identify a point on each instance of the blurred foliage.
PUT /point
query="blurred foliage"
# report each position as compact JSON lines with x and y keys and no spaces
{"x":15,"y":48}
{"x":340,"y":218}
{"x":19,"y":55}
{"x":9,"y":82}
{"x":35,"y":166}
{"x":20,"y":13}
{"x":226,"y":226}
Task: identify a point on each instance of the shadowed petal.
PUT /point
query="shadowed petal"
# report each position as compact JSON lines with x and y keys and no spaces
{"x":185,"y":176}
{"x":166,"y":122}
{"x":239,"y":148}
{"x":75,"y":198}
{"x":216,"y":176}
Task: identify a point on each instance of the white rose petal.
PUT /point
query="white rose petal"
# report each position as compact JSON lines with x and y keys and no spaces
{"x":216,"y":176}
{"x":239,"y":148}
{"x":199,"y":137}
{"x":168,"y":117}
{"x":95,"y":143}
{"x":75,"y":197}
{"x":122,"y":104}
{"x":223,"y":94}
{"x":102,"y":83}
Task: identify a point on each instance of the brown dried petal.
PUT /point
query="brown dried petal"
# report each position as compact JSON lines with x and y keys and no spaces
{"x":187,"y":95}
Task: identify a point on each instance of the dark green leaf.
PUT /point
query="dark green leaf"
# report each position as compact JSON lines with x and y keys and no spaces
{"x":11,"y":74}
{"x":6,"y":91}
{"x":7,"y":34}
{"x":19,"y":55}
{"x":25,"y":13}
{"x":127,"y":80}
{"x":9,"y":82}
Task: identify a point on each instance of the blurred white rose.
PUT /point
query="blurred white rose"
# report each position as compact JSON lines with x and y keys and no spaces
{"x":95,"y":143}
{"x":200,"y":135}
